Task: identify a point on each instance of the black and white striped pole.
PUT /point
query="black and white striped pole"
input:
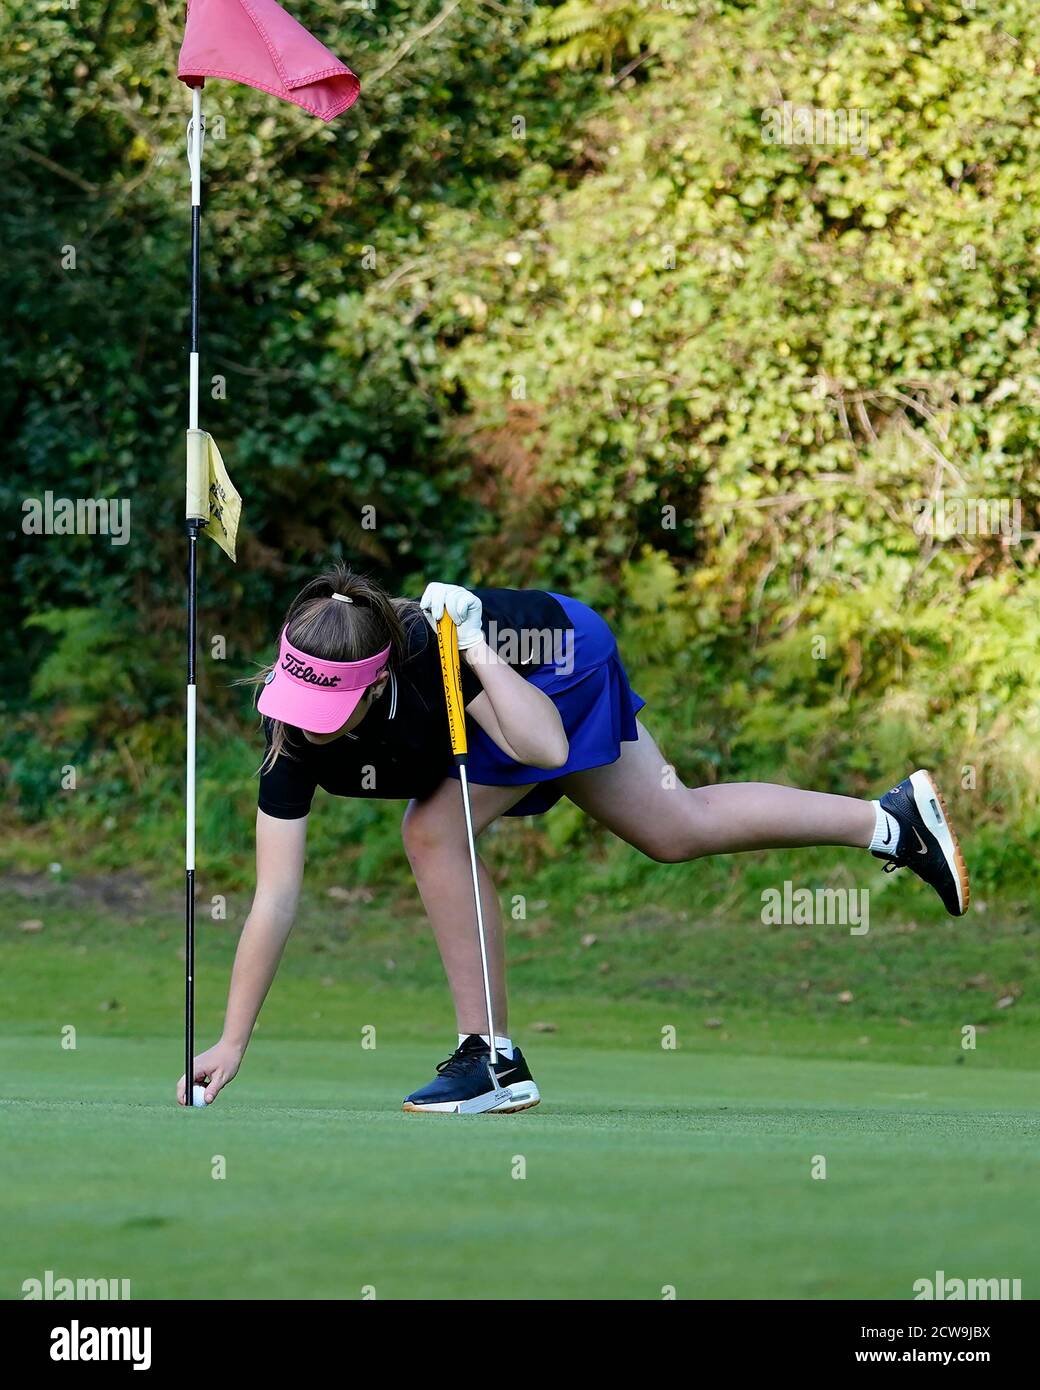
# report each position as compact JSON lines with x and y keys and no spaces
{"x":196,"y":513}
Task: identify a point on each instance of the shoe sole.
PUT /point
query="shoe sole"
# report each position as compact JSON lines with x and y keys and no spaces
{"x":932,"y":809}
{"x":516,"y":1105}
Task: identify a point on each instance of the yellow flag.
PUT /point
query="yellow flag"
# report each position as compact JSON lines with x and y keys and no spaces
{"x":211,"y":496}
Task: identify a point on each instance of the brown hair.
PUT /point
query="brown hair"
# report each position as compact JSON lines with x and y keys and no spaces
{"x":332,"y":631}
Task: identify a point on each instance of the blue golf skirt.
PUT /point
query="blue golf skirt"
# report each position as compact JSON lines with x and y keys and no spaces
{"x":596,"y":703}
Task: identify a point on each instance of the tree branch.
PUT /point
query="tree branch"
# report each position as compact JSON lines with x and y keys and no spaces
{"x":56,"y":168}
{"x":412,"y":40}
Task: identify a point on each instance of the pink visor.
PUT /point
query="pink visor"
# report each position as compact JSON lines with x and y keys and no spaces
{"x":319,"y":696}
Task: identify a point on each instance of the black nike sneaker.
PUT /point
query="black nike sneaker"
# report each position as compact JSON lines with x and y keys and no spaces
{"x":927,"y":843}
{"x":463,"y":1084}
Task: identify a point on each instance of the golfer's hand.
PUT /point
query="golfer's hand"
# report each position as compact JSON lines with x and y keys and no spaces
{"x":462,"y":607}
{"x":213,"y":1069}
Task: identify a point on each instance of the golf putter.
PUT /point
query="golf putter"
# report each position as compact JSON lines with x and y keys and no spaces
{"x":448,"y":646}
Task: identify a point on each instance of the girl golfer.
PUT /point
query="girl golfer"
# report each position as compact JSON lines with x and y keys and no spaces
{"x":355,"y":705}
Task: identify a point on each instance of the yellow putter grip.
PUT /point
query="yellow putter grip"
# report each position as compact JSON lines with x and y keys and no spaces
{"x":448,"y":645}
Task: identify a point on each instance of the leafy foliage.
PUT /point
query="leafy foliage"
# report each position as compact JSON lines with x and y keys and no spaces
{"x":584,"y":33}
{"x":606,"y":336}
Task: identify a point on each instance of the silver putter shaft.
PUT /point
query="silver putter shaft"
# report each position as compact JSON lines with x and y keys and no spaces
{"x":448,"y":645}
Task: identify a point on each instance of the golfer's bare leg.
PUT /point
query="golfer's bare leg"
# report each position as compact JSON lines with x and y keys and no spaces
{"x":434,"y":834}
{"x":640,"y":798}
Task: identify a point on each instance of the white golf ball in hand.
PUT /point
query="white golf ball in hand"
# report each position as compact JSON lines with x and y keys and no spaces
{"x":198,"y":1095}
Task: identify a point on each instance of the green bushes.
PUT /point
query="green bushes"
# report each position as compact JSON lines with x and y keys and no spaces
{"x":746,"y":368}
{"x":565,"y":326}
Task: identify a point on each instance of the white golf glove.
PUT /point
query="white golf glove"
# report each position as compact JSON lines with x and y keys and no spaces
{"x":463,"y":608}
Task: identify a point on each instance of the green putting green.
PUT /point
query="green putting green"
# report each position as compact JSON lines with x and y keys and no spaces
{"x":643,"y":1170}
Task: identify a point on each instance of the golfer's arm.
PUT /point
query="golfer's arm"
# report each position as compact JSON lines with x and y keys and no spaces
{"x":280,"y":853}
{"x":521,"y":719}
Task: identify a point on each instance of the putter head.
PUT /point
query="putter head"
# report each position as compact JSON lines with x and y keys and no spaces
{"x":479,"y":1105}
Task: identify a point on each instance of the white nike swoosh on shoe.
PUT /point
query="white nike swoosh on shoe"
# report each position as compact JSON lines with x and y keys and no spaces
{"x":924,"y":847}
{"x":502,"y":1074}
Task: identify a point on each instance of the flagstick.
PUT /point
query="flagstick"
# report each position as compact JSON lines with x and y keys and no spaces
{"x":193,"y":525}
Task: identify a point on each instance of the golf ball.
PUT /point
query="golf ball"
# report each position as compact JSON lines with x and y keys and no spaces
{"x":198,"y":1095}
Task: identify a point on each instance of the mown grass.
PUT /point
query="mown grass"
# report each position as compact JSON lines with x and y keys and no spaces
{"x":108,"y":957}
{"x":647,"y":1167}
{"x":643,"y":1171}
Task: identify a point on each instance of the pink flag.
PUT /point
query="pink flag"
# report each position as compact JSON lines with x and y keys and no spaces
{"x":256,"y":42}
